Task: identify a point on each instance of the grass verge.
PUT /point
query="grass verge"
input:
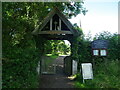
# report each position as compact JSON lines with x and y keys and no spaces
{"x":105,"y":76}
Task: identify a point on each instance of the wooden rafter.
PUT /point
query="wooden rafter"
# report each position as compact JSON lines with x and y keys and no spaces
{"x":61,"y":18}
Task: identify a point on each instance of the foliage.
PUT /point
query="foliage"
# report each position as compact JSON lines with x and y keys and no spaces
{"x":85,"y":50}
{"x":56,"y":47}
{"x":21,"y":56}
{"x":19,"y":68}
{"x":20,"y":19}
{"x":75,"y":42}
{"x":114,"y":43}
{"x":103,"y":35}
{"x":107,"y":77}
{"x":20,"y":53}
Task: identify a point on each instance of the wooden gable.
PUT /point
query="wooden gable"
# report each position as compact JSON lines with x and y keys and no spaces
{"x":55,"y":23}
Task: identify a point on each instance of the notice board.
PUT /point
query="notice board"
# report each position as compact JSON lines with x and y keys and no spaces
{"x":100,"y":44}
{"x":87,"y":71}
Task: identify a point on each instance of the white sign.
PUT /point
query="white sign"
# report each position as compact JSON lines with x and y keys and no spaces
{"x":87,"y":71}
{"x":74,"y":67}
{"x":95,"y":52}
{"x":103,"y":52}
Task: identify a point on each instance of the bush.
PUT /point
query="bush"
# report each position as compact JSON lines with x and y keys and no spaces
{"x":106,"y":75}
{"x":19,"y":68}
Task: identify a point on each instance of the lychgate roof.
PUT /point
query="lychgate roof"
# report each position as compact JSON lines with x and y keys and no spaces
{"x":55,"y":24}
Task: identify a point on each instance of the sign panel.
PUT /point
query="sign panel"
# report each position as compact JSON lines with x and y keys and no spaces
{"x":99,"y":44}
{"x":103,"y":52}
{"x":87,"y":71}
{"x":74,"y":67}
{"x":95,"y":52}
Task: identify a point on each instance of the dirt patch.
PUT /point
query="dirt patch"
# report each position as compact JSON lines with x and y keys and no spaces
{"x":58,"y":80}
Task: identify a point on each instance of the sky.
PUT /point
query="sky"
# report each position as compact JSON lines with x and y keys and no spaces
{"x":102,"y":15}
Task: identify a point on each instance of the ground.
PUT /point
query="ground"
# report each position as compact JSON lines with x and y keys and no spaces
{"x":58,"y":80}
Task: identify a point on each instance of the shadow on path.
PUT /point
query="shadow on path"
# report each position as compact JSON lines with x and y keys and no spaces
{"x":58,"y":80}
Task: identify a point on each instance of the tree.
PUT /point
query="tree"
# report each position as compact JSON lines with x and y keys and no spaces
{"x":20,"y":54}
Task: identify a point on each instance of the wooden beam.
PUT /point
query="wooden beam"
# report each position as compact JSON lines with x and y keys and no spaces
{"x":59,"y":24}
{"x":55,"y":32}
{"x":51,"y":23}
{"x":57,"y":37}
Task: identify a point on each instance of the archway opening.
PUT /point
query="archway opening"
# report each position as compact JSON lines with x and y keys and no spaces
{"x":54,"y":50}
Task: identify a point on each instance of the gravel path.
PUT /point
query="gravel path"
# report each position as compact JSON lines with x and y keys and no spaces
{"x":58,"y":80}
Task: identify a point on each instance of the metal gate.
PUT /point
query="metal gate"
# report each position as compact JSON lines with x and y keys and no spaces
{"x":48,"y":67}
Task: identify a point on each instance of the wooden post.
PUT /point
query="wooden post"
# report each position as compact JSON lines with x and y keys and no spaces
{"x":51,"y":23}
{"x":93,"y":61}
{"x":59,"y":24}
{"x":40,"y":45}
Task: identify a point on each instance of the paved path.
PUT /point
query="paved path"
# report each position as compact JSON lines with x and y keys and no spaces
{"x":58,"y":80}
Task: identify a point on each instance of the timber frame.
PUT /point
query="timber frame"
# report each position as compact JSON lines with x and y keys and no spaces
{"x":59,"y":33}
{"x":41,"y":34}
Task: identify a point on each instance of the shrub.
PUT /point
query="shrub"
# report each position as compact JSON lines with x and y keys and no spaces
{"x":106,"y":75}
{"x":19,"y":68}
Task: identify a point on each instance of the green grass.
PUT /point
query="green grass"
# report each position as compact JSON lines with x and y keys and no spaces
{"x":52,"y":56}
{"x":48,"y":54}
{"x":105,"y":76}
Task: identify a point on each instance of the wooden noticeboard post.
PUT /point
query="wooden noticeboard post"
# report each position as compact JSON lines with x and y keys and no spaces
{"x":99,"y":49}
{"x":87,"y":71}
